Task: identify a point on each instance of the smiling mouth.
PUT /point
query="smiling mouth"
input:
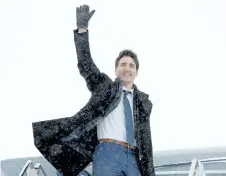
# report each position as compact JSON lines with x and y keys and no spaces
{"x":126,"y":74}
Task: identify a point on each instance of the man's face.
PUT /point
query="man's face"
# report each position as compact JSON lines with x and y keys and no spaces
{"x":126,"y":70}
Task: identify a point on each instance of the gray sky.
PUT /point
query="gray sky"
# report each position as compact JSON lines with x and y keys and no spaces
{"x":181,"y":46}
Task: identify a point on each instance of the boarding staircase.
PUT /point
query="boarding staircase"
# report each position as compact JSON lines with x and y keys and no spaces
{"x":196,"y":169}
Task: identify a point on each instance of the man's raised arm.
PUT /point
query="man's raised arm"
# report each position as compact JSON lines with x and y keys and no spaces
{"x":86,"y":65}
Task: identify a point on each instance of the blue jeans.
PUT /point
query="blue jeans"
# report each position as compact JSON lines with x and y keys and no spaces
{"x":112,"y":159}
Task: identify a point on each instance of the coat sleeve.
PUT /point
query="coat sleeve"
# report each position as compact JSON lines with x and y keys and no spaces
{"x":147,"y":149}
{"x":86,"y":65}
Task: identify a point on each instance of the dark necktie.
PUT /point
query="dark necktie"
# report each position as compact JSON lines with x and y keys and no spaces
{"x":128,"y":118}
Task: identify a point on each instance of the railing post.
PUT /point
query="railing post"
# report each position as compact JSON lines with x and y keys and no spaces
{"x":196,"y":168}
{"x":30,"y":169}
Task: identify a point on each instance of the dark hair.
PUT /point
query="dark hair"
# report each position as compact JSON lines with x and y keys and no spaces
{"x":127,"y":53}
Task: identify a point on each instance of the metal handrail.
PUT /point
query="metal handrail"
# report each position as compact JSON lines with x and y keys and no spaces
{"x":206,"y":160}
{"x":29,"y":163}
{"x":187,"y":172}
{"x":30,"y":169}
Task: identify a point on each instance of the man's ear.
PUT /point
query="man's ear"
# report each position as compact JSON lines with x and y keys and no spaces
{"x":116,"y":72}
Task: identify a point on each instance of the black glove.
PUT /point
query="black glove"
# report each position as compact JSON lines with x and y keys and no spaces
{"x":83,"y":16}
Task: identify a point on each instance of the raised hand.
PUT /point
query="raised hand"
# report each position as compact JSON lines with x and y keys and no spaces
{"x":83,"y":16}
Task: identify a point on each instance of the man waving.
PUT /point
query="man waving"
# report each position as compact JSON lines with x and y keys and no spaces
{"x":113,"y":129}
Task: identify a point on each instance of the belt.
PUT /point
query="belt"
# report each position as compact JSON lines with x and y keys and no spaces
{"x":124,"y":144}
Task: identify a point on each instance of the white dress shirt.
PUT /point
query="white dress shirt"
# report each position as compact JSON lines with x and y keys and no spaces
{"x":113,"y":126}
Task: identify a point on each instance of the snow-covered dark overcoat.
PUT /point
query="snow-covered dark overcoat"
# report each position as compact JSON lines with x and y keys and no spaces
{"x":69,"y":143}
